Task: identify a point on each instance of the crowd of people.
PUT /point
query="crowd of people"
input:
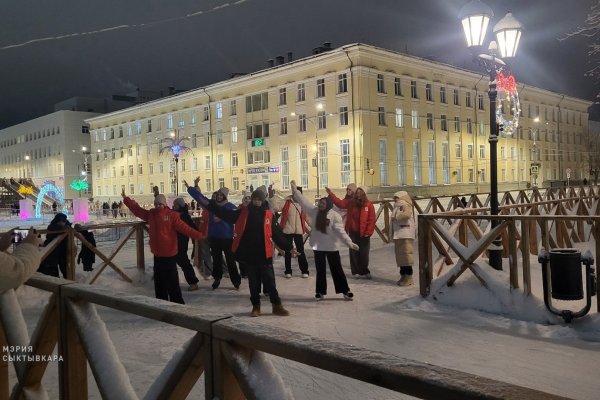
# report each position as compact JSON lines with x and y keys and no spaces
{"x":244,"y":238}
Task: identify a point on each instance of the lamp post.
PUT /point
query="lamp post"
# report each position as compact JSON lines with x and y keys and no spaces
{"x":322,"y":114}
{"x":475,"y":17}
{"x":534,"y":151}
{"x":175,"y":145}
{"x":27,"y":174}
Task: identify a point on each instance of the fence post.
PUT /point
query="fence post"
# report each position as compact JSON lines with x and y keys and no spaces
{"x":71,"y":250}
{"x":425,"y":256}
{"x":224,"y":385}
{"x":72,"y":370}
{"x":139,"y":246}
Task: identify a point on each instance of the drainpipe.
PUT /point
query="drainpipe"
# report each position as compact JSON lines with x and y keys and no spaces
{"x":558,"y":134}
{"x":353,"y":118}
{"x":212,"y":145}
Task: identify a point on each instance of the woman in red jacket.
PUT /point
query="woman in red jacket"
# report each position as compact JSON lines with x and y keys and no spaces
{"x":163,"y":225}
{"x":360,"y":225}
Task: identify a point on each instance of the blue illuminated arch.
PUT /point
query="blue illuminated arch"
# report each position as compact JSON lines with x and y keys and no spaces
{"x":49,"y":188}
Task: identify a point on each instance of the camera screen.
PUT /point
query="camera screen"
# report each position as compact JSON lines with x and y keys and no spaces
{"x":20,"y":234}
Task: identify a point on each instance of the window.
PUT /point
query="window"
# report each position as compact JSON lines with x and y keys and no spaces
{"x":323,"y":165}
{"x":283,"y":126}
{"x":458,"y":150}
{"x":417,"y":162}
{"x":456,"y":124}
{"x":285,"y":167}
{"x":120,"y":132}
{"x":413,"y":90}
{"x":151,"y":168}
{"x":301,"y":96}
{"x":320,"y":87}
{"x":443,"y":95}
{"x":468,"y":100}
{"x":482,"y":152}
{"x":470,"y":151}
{"x":233,"y":107}
{"x":345,"y":162}
{"x":380,"y":84}
{"x":257,"y":131}
{"x":303,"y":160}
{"x":503,"y":153}
{"x":193,"y":117}
{"x":112,"y":133}
{"x":456,"y":96}
{"x":302,"y":123}
{"x":445,"y":164}
{"x":414,"y":119}
{"x":444,"y":123}
{"x":257,"y":102}
{"x":205,"y":113}
{"x":234,"y":134}
{"x":383,"y":174}
{"x":220,"y":137}
{"x":429,"y":121}
{"x":140,"y":169}
{"x":480,"y":103}
{"x":131,"y":170}
{"x":131,"y":188}
{"x":282,"y":96}
{"x":208,"y":185}
{"x":428,"y":95}
{"x":207,"y":162}
{"x":513,"y":153}
{"x":469,"y":126}
{"x":122,"y":171}
{"x":236,"y":183}
{"x":234,"y":160}
{"x":381,"y":116}
{"x":322,"y":119}
{"x":401,"y":161}
{"x":219,"y":110}
{"x":399,"y":118}
{"x":397,"y":87}
{"x":169,"y":121}
{"x":342,"y":83}
{"x":471,"y":175}
{"x":220,"y":161}
{"x":431,"y":162}
{"x":343,"y":113}
{"x":149,"y":126}
{"x":459,"y":175}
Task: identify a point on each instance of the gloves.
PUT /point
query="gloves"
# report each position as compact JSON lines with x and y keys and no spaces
{"x":354,"y":247}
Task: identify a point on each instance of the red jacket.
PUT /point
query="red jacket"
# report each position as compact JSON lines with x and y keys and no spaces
{"x":204,"y":222}
{"x":240,"y":226}
{"x":163,"y":225}
{"x":361,"y":218}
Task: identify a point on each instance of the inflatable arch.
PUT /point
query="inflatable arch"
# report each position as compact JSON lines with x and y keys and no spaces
{"x":49,"y":188}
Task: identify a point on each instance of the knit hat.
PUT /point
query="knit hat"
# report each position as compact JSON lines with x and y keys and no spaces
{"x":351,"y":186}
{"x":180,"y":202}
{"x":259,"y":194}
{"x":363,"y":188}
{"x":403,"y":195}
{"x":224,"y":191}
{"x":160,"y":199}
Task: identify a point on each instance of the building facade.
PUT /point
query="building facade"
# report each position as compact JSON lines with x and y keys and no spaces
{"x":49,"y":149}
{"x":353,"y":114}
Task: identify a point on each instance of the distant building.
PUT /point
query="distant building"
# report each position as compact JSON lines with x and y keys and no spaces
{"x":357,"y":113}
{"x":48,"y":149}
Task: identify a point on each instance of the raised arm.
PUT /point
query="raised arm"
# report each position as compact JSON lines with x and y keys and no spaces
{"x":135,"y":208}
{"x":182,"y":227}
{"x":304,"y":203}
{"x":339,"y":203}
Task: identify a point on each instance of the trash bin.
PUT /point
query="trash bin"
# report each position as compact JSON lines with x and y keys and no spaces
{"x":566,"y":280}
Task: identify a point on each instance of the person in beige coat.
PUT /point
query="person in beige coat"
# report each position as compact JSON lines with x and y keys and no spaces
{"x":403,"y":234}
{"x":17,"y":267}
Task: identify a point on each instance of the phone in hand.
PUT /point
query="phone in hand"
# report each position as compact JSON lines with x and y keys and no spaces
{"x":19,"y":235}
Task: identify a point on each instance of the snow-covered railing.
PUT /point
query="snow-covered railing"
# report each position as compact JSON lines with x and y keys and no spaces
{"x":462,"y":236}
{"x":232,"y":353}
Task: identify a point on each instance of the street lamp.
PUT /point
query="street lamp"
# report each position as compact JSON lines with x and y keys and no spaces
{"x":475,"y":17}
{"x":322,"y":114}
{"x":534,"y":153}
{"x":175,"y":145}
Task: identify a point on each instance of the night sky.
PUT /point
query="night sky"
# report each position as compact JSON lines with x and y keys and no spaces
{"x":114,"y":46}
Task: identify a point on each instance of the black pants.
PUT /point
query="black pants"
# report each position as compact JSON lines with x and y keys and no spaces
{"x":407,"y":270}
{"x":186,"y":266}
{"x":261,"y":274}
{"x":335,"y":267}
{"x":166,"y":279}
{"x":217,"y":248}
{"x":359,"y":260}
{"x":298,"y":241}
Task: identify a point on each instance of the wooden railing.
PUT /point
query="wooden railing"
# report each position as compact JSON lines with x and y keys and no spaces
{"x":230,"y":352}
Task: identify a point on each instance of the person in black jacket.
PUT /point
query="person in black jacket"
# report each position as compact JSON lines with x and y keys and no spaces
{"x":182,"y":245}
{"x":86,"y":255}
{"x":254,"y":230}
{"x":57,"y":259}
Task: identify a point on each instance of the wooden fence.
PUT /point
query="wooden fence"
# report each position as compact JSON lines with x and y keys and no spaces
{"x":230,"y":352}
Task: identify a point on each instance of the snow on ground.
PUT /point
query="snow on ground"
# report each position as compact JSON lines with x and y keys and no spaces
{"x":494,"y":333}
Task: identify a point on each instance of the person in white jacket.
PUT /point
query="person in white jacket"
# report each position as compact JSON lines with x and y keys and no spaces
{"x":403,"y":234}
{"x":17,"y":267}
{"x":326,"y":237}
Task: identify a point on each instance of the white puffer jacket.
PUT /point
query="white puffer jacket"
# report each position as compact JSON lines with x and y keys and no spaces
{"x":17,"y":268}
{"x":403,"y":222}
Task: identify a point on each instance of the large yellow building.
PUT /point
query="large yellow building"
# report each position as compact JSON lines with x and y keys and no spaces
{"x":352,"y":114}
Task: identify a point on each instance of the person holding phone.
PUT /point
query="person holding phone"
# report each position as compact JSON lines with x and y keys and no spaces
{"x":17,"y":267}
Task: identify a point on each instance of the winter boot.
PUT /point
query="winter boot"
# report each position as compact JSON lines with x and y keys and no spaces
{"x":405,"y":280}
{"x":279,"y":310}
{"x":255,"y":311}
